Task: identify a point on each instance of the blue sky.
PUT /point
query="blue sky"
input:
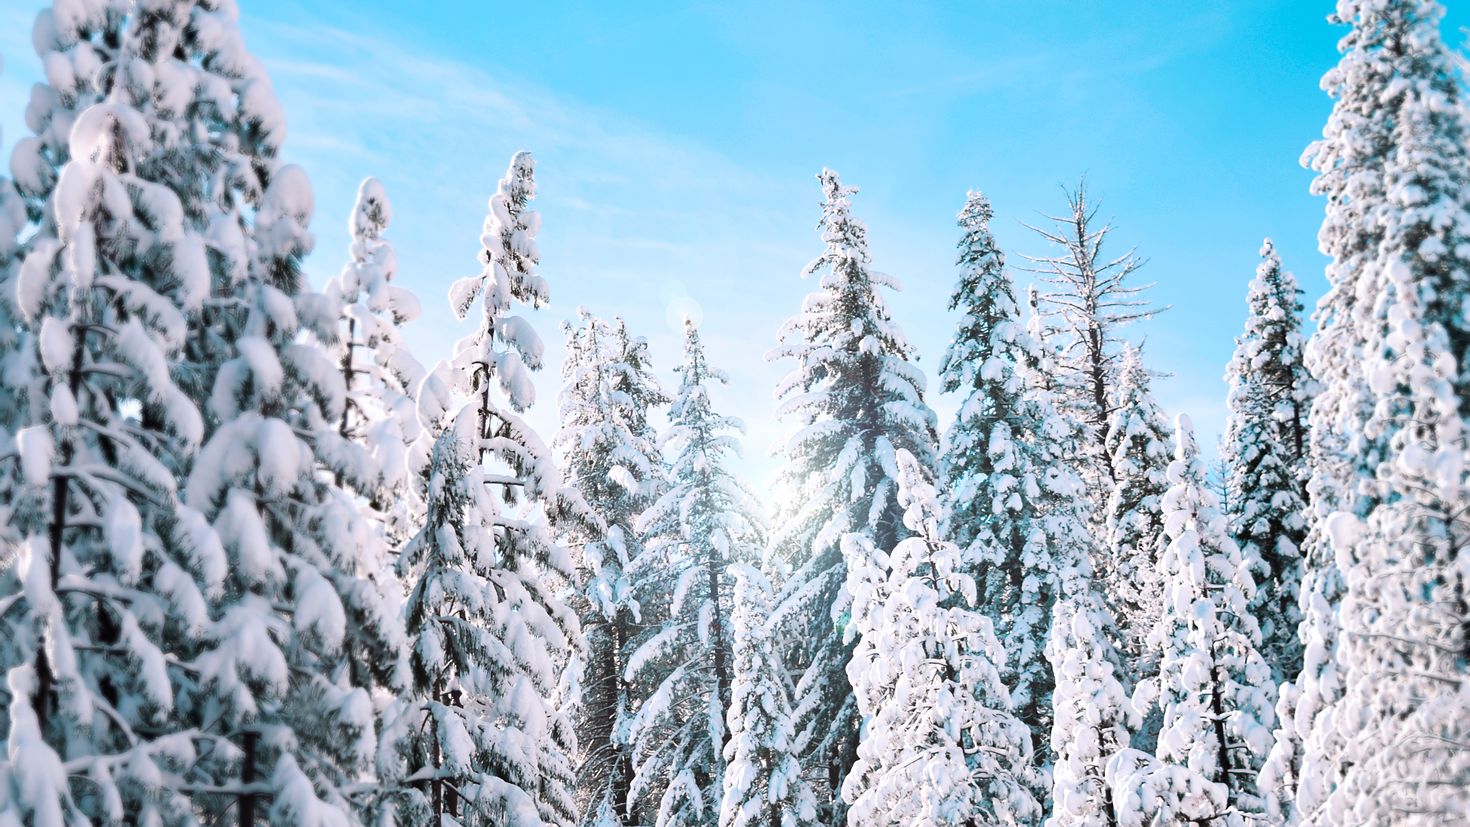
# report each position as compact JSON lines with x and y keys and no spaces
{"x":678,"y":143}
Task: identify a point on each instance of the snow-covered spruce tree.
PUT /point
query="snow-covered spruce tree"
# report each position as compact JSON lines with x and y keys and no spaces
{"x":1265,"y":452}
{"x":1403,"y":717}
{"x":278,"y":671}
{"x":480,"y":738}
{"x":940,"y":745}
{"x":368,"y":452}
{"x":976,"y":365}
{"x":1392,"y":142}
{"x":1140,"y":445}
{"x":1090,"y":299}
{"x":1092,"y":719}
{"x":705,"y":521}
{"x":1214,"y":687}
{"x":111,"y":567}
{"x":1306,"y":761}
{"x":610,"y":453}
{"x":380,"y":374}
{"x":763,"y":784}
{"x":1018,"y":512}
{"x":856,"y":399}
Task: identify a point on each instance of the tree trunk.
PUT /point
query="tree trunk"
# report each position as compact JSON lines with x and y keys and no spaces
{"x":247,"y":778}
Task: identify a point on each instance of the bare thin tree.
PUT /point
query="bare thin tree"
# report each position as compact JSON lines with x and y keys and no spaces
{"x":1089,"y":297}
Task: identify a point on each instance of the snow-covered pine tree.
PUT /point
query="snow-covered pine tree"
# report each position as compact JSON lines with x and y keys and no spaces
{"x":940,"y":744}
{"x":1265,"y":452}
{"x":277,"y":666}
{"x":1403,"y":717}
{"x":706,"y":521}
{"x":212,"y":128}
{"x":763,"y":784}
{"x":481,"y":738}
{"x":1214,"y":687}
{"x":1018,"y":512}
{"x":484,"y":736}
{"x":610,"y":453}
{"x":1392,"y":141}
{"x":1140,"y":444}
{"x":975,"y":364}
{"x":1091,"y":298}
{"x":111,"y":566}
{"x":16,"y":362}
{"x":379,"y":372}
{"x":1092,"y":719}
{"x":856,"y":399}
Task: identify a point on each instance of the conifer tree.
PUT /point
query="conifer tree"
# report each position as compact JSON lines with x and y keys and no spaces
{"x":1092,"y":719}
{"x":1139,"y":443}
{"x":1091,"y":298}
{"x":610,"y":453}
{"x":379,"y":372}
{"x":184,"y":125}
{"x":1215,"y":689}
{"x":940,"y":744}
{"x":110,"y":564}
{"x":481,"y":737}
{"x":706,"y":521}
{"x":856,"y":399}
{"x":1016,"y":499}
{"x":1393,"y":142}
{"x":1265,"y":455}
{"x":1400,"y":543}
{"x":763,"y":784}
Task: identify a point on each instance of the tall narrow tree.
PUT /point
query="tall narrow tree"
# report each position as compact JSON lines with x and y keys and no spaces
{"x":1214,"y":687}
{"x":107,"y":572}
{"x":763,"y":785}
{"x":1402,"y":541}
{"x":1017,"y":502}
{"x":1091,"y":298}
{"x":1392,"y":143}
{"x":940,"y":744}
{"x":610,"y":452}
{"x":201,"y":129}
{"x":1265,"y":453}
{"x":856,"y":399}
{"x":1140,"y":444}
{"x":705,"y":522}
{"x":481,"y":737}
{"x":379,"y":372}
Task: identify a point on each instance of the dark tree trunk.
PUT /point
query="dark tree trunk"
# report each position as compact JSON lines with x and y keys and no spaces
{"x":247,"y":778}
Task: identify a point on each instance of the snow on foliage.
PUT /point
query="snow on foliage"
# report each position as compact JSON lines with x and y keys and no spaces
{"x":1018,"y":514}
{"x":482,"y":736}
{"x":180,"y":584}
{"x":856,"y":399}
{"x":379,"y":374}
{"x":1214,"y":687}
{"x":610,"y":452}
{"x":1396,"y":370}
{"x":706,"y":521}
{"x":1139,"y":444}
{"x":763,"y":785}
{"x":1390,"y":354}
{"x":940,"y":745}
{"x":1092,"y":719}
{"x":1265,"y":451}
